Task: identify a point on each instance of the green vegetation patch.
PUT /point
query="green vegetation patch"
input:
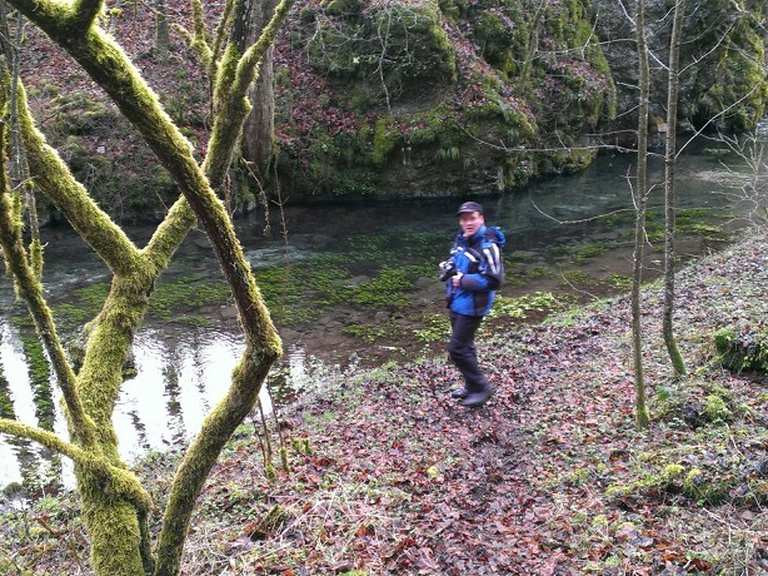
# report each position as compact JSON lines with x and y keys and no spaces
{"x":185,"y":294}
{"x":347,"y":45}
{"x":677,"y":479}
{"x":521,"y":306}
{"x":436,"y":328}
{"x":744,"y":350}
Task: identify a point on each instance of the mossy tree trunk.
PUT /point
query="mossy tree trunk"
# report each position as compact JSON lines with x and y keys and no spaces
{"x":670,"y":200}
{"x":115,"y":506}
{"x":641,"y":195}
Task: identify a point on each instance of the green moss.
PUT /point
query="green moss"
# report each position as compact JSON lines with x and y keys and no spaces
{"x":710,"y":491}
{"x":75,"y":112}
{"x":388,"y":289}
{"x":417,"y":48}
{"x":450,"y":9}
{"x":588,"y":251}
{"x":343,"y":7}
{"x":301,"y":446}
{"x":185,"y":294}
{"x":715,"y":409}
{"x":745,"y":350}
{"x":667,"y":480}
{"x":671,"y":472}
{"x":82,"y":305}
{"x":737,"y":71}
{"x":620,"y":282}
{"x":369,"y":333}
{"x":521,"y":306}
{"x":502,"y":40}
{"x":385,"y":138}
{"x":436,"y":328}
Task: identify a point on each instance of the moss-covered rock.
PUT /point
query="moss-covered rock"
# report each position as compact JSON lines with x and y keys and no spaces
{"x":743,"y":350}
{"x":399,"y":44}
{"x":735,"y":72}
{"x":724,"y":53}
{"x":413,"y":99}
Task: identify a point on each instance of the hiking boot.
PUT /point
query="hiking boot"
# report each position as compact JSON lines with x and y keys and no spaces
{"x":459,"y":393}
{"x":476,"y":399}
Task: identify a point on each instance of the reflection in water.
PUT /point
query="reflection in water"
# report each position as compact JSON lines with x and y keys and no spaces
{"x":41,"y":381}
{"x":164,"y":405}
{"x":141,"y":430}
{"x":27,"y":471}
{"x":199,"y":368}
{"x":173,"y":403}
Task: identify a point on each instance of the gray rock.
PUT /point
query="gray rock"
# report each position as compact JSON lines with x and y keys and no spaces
{"x":357,"y":281}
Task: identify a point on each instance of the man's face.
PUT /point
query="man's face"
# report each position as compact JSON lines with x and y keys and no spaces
{"x":470,"y":222}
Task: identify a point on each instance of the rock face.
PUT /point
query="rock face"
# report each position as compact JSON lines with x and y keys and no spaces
{"x":476,"y":97}
{"x":723,"y":59}
{"x":422,"y":98}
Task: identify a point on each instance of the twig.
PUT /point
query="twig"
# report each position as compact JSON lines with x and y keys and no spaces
{"x":61,"y":536}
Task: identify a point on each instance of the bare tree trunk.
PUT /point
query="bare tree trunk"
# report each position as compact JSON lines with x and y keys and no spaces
{"x":641,"y":194}
{"x":531,"y":46}
{"x":162,"y":40}
{"x":670,"y":200}
{"x":259,"y":128}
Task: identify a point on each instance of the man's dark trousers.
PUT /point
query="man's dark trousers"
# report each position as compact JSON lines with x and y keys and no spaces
{"x":461,"y":349}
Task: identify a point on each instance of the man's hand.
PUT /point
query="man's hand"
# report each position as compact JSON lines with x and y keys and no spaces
{"x":456,"y":280}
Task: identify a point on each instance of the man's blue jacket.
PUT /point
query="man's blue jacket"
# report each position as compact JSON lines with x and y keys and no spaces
{"x":479,"y":259}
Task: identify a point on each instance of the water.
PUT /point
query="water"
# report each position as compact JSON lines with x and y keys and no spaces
{"x":351,"y":283}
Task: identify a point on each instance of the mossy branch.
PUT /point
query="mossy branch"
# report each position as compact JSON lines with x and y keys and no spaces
{"x":203,"y":453}
{"x":246,"y":68}
{"x":106,"y":63}
{"x":122,"y":483}
{"x":220,"y":35}
{"x":54,"y":179}
{"x":84,"y":14}
{"x":170,"y":234}
{"x":235,"y":74}
{"x":29,"y":287}
{"x":198,"y":40}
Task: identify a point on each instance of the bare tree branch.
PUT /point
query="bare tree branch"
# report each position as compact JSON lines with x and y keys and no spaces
{"x":715,"y":117}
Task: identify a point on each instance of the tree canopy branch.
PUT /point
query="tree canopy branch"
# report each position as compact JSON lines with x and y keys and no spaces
{"x":221,"y":144}
{"x":221,"y":31}
{"x":198,"y":40}
{"x":247,"y":66}
{"x":107,"y":64}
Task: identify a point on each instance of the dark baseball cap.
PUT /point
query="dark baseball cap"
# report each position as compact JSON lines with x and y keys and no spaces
{"x":469,"y":207}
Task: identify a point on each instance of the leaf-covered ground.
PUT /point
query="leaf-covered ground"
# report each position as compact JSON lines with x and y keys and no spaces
{"x":390,"y":476}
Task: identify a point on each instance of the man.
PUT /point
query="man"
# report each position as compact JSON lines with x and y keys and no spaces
{"x":472,"y":275}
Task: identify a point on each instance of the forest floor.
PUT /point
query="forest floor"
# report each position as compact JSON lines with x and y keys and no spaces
{"x":390,"y":476}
